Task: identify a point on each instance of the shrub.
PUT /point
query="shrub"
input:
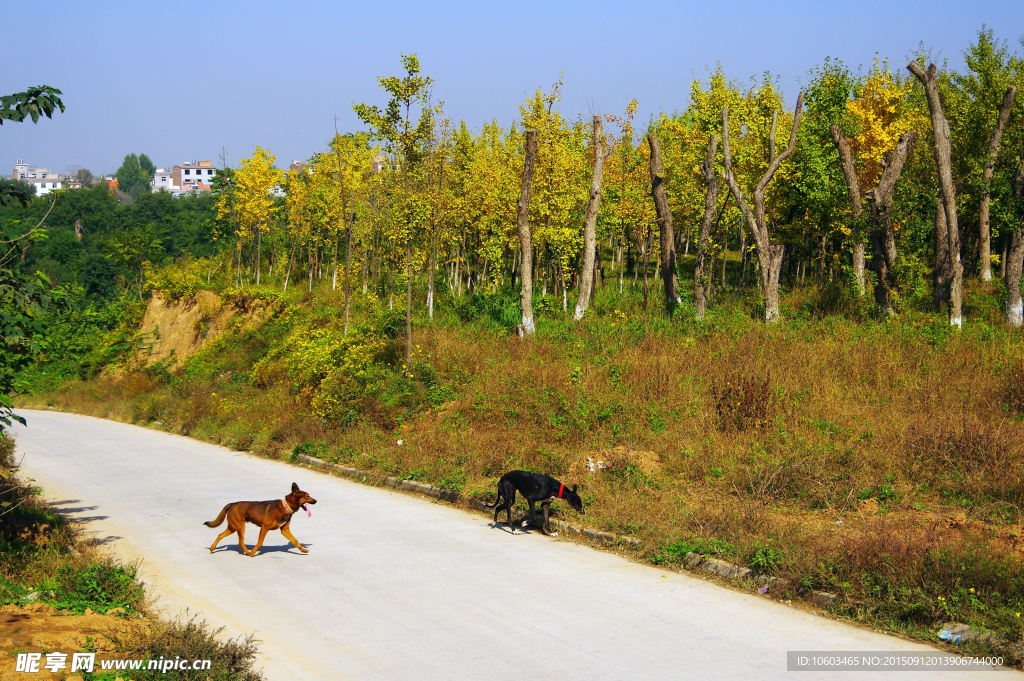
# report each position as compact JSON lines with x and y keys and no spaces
{"x":743,"y":402}
{"x":1013,"y":390}
{"x":100,"y":586}
{"x":764,"y":558}
{"x":676,"y":552}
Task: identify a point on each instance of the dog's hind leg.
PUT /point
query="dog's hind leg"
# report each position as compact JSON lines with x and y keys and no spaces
{"x":509,"y":500}
{"x":259,"y":542}
{"x":241,"y":540}
{"x":219,"y":537}
{"x":291,"y":537}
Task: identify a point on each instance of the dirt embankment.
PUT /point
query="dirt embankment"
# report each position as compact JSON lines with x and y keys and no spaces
{"x":39,"y":628}
{"x":178,"y":328}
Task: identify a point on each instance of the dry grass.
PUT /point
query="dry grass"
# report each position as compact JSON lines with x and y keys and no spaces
{"x":764,"y":437}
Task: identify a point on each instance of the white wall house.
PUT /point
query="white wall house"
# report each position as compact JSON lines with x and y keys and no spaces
{"x":43,"y":180}
{"x":163,"y":179}
{"x":193,"y":176}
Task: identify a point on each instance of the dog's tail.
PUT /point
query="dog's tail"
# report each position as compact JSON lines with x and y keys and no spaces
{"x":496,"y":501}
{"x":220,"y":518}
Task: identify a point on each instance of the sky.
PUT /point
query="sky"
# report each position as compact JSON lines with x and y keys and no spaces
{"x":195,"y":80}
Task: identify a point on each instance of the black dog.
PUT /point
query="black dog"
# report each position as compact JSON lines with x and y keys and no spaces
{"x":535,"y":487}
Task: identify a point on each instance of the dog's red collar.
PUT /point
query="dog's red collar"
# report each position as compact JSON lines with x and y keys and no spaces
{"x":561,"y":488}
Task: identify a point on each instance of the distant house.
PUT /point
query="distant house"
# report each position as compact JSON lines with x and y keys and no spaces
{"x":298,"y":165}
{"x":42,"y":179}
{"x":163,"y":179}
{"x":380,"y":163}
{"x":193,"y":176}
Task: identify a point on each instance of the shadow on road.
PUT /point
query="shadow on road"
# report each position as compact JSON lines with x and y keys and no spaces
{"x":73,"y":513}
{"x":266,"y":548}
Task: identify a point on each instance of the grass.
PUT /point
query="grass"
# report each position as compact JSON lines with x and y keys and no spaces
{"x":882,"y":460}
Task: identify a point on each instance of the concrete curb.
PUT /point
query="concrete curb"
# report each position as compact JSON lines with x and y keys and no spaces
{"x":967,"y":633}
{"x":729,"y":570}
{"x":453,"y":497}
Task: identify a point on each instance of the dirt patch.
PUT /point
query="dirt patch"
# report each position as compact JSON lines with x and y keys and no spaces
{"x":619,"y":458}
{"x":40,"y":628}
{"x":178,"y":328}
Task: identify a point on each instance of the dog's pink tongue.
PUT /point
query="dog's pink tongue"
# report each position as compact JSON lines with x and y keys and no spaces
{"x":308,"y":512}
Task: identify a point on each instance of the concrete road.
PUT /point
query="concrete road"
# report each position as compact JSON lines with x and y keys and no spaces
{"x":399,"y":587}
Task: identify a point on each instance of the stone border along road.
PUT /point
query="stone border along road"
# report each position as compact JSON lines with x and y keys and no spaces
{"x":696,"y":561}
{"x":394,"y":588}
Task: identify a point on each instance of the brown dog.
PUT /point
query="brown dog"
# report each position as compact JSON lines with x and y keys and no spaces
{"x":267,"y":515}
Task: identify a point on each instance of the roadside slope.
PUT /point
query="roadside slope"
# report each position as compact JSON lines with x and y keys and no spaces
{"x":397,"y":588}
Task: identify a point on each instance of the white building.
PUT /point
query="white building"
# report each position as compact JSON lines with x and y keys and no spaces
{"x":163,"y":179}
{"x":41,"y":178}
{"x":193,"y":176}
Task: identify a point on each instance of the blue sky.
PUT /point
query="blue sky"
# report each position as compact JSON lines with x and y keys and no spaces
{"x":186,"y":80}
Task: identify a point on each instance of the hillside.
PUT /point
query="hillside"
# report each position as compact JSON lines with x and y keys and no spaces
{"x":880,"y":460}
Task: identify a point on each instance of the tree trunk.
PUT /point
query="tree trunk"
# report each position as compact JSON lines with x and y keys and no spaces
{"x":527,"y":328}
{"x":769,"y":255}
{"x":858,"y":266}
{"x":883,"y":237}
{"x":348,"y":268}
{"x":1014,"y":265}
{"x":668,"y":242}
{"x":1014,"y":260}
{"x":590,"y":223}
{"x":986,"y":177}
{"x":880,"y":199}
{"x":700,"y":295}
{"x":942,"y":148}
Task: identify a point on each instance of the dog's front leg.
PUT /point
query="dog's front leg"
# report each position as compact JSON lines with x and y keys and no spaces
{"x":259,"y":543}
{"x":291,"y":537}
{"x":533,"y":514}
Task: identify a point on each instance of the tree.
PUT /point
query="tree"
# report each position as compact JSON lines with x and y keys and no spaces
{"x":700,"y":294}
{"x":84,"y":176}
{"x":147,"y":166}
{"x":949,"y":268}
{"x":668,"y":240}
{"x":23,"y":298}
{"x":978,"y":104}
{"x":254,"y":204}
{"x":525,"y":242}
{"x":135,"y":246}
{"x":132,"y":179}
{"x":769,"y":255}
{"x":394,"y":127}
{"x":590,"y":222}
{"x":817,"y":186}
{"x":1015,"y":256}
{"x":882,"y":145}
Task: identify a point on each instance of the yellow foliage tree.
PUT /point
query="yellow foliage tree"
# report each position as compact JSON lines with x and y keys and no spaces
{"x":254,"y":204}
{"x":881,"y":114}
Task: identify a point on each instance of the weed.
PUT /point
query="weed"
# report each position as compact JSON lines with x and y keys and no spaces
{"x":743,"y":402}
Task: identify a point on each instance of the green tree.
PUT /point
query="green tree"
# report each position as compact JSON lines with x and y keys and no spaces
{"x":134,"y":247}
{"x":132,"y":178}
{"x":23,"y":298}
{"x":147,"y":165}
{"x":408,"y":139}
{"x":84,"y":176}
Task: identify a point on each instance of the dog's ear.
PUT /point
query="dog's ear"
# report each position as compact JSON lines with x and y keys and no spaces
{"x":295,"y":488}
{"x":574,"y":488}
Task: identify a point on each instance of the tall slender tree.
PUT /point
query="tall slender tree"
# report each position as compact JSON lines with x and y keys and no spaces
{"x":404,"y":137}
{"x":590,"y":222}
